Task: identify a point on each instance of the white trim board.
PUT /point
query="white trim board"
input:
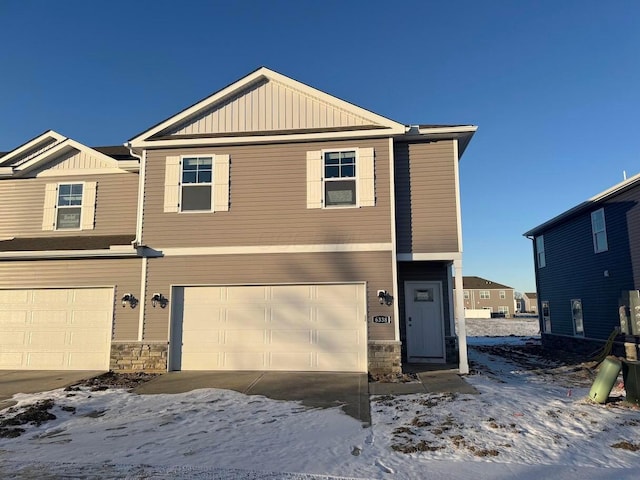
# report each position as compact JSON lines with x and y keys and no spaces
{"x":417,"y":257}
{"x":271,"y":249}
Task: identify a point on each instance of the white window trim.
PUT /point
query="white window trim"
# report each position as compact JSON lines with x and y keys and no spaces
{"x":57,"y":208}
{"x":356,"y":178}
{"x":502,"y":294}
{"x":488,"y":297}
{"x":541,"y":257}
{"x":546,"y":321}
{"x":211,"y":184}
{"x":594,"y":233}
{"x":576,"y":333}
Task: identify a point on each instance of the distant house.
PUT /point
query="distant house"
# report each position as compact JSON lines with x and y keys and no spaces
{"x":587,"y":265}
{"x":483,"y":294}
{"x":530,"y":302}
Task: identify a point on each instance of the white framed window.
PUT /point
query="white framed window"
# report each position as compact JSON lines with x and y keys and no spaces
{"x":339,"y":178}
{"x":485,"y":294}
{"x":196,"y":184}
{"x":504,"y":310}
{"x":599,"y":231}
{"x":546,"y":316}
{"x":69,"y":206}
{"x":576,"y":315}
{"x":466,"y":294}
{"x":540,"y":256}
{"x":503,"y":294}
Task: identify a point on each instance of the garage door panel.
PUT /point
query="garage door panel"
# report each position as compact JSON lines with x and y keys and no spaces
{"x":270,"y":327}
{"x":56,"y":329}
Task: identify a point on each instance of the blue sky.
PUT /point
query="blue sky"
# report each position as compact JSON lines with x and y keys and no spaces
{"x":552,"y":85}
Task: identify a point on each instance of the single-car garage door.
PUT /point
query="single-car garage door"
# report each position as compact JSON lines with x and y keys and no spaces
{"x":55,"y":328}
{"x":269,"y":327}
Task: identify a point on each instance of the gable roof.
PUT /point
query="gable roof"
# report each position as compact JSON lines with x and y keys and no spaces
{"x":261,"y":105}
{"x":618,"y":188}
{"x":476,"y":283}
{"x":50,"y":147}
{"x":531,"y":295}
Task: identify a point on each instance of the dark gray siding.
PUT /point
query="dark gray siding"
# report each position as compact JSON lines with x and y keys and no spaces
{"x":574,"y":271}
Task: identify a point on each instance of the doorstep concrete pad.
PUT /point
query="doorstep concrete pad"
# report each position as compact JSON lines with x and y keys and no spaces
{"x":317,"y":390}
{"x":392,"y":388}
{"x":33,"y":381}
{"x":445,"y":383}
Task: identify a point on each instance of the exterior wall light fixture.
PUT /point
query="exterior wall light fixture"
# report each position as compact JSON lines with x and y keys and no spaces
{"x":159,"y":299}
{"x":130,"y":299}
{"x":385,"y":298}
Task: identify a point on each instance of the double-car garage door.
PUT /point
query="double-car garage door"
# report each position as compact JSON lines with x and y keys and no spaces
{"x":55,"y":329}
{"x":269,"y":327}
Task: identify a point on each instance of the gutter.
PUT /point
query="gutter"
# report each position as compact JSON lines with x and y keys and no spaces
{"x":137,"y":242}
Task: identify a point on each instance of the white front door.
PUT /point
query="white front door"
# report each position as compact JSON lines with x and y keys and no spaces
{"x":425,"y":322}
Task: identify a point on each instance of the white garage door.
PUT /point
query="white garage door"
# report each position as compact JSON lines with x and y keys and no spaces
{"x":277,"y":327}
{"x":55,"y":329}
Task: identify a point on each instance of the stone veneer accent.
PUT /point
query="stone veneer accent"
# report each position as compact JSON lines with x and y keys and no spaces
{"x":384,"y":357}
{"x":138,"y":357}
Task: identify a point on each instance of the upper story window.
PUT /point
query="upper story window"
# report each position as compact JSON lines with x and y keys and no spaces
{"x":69,"y":206}
{"x":540,"y":256}
{"x":197,"y":186}
{"x":503,"y":294}
{"x":197,"y":183}
{"x":485,"y":294}
{"x":599,"y":231}
{"x":339,"y":178}
{"x":466,"y":294}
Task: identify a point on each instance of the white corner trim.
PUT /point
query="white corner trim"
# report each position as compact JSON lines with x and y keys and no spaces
{"x":271,"y":249}
{"x":440,"y":256}
{"x":456,"y":167}
{"x":143,"y":296}
{"x":394,"y":247}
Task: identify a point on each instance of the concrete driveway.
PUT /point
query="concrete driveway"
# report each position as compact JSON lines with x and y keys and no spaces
{"x":318,"y":390}
{"x":33,"y":381}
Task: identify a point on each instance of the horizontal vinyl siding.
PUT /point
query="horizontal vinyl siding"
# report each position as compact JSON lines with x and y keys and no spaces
{"x":574,"y":271}
{"x":426,"y":215}
{"x":372,"y":268}
{"x":268,"y":202}
{"x":123,"y":274}
{"x":22,"y":203}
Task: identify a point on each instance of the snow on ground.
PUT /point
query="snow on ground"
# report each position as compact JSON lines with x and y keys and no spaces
{"x":531,"y":420}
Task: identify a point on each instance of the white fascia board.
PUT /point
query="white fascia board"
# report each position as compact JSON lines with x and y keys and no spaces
{"x":52,"y":254}
{"x":440,"y":130}
{"x":59,"y":148}
{"x":261,"y":139}
{"x":50,"y":134}
{"x":420,"y":257}
{"x":6,"y":171}
{"x":272,"y":249}
{"x":140,"y":141}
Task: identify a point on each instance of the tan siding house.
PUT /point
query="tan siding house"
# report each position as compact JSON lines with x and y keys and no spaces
{"x":276,"y":228}
{"x":483,"y":294}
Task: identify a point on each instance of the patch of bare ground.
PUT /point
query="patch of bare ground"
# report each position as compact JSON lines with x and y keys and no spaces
{"x":114,"y":380}
{"x":625,"y":445}
{"x":393,"y":377}
{"x":13,"y":418}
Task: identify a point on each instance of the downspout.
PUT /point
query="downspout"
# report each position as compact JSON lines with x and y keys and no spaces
{"x":137,"y":242}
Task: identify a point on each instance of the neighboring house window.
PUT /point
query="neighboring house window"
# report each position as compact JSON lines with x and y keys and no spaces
{"x":503,"y":295}
{"x":196,"y":183}
{"x":69,"y":206}
{"x":341,"y":178}
{"x":599,"y":231}
{"x":466,"y":295}
{"x":197,"y":173}
{"x":485,"y":294}
{"x":504,"y":310}
{"x":576,"y":315}
{"x":546,"y":316}
{"x":542,"y":261}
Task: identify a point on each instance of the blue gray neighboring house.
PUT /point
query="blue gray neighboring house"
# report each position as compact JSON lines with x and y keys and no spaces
{"x":587,"y":267}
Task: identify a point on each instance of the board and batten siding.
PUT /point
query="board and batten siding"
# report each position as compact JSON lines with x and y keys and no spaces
{"x":22,"y":205}
{"x":123,"y":274}
{"x":574,"y":271}
{"x":426,"y":216}
{"x":372,"y":268}
{"x":267,"y":201}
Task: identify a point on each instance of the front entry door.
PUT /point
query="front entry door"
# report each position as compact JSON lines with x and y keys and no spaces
{"x":424,"y":319}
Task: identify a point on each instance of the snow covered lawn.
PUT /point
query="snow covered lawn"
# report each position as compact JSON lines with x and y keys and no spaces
{"x":530,"y":421}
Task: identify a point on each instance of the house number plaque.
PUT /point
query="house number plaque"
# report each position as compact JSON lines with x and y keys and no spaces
{"x":381,"y":319}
